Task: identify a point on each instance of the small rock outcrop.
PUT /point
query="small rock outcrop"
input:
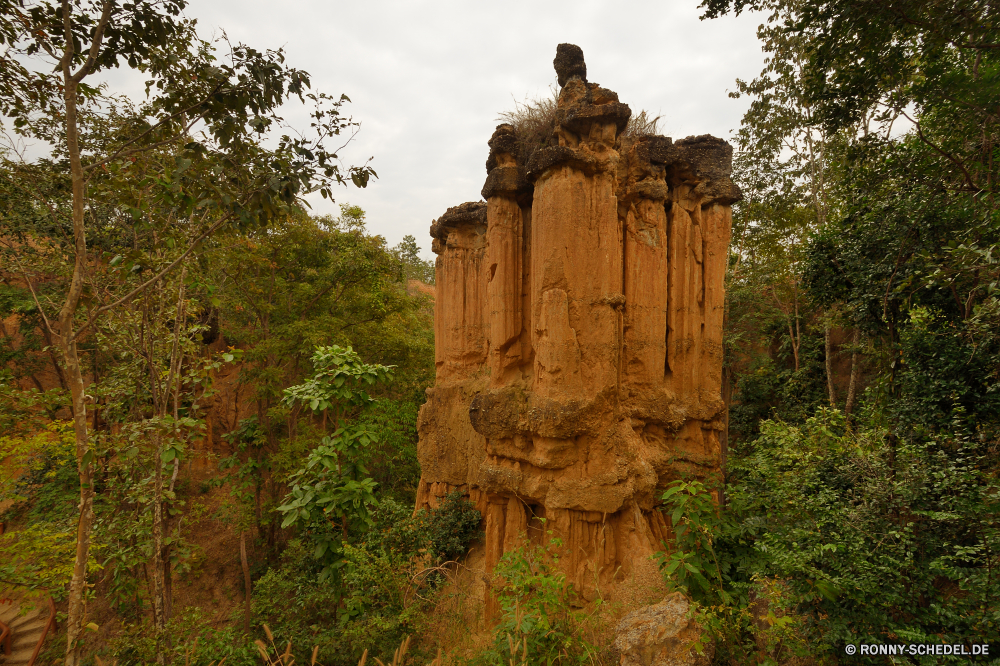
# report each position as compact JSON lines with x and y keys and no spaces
{"x":578,"y":333}
{"x":661,"y":635}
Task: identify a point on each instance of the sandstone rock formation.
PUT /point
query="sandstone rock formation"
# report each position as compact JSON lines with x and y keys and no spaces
{"x":578,"y":331}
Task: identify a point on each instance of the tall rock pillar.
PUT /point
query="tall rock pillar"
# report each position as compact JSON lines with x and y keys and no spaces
{"x":505,"y":225}
{"x":578,"y":331}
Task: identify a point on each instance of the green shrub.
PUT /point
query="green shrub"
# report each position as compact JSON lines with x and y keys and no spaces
{"x":193,"y":643}
{"x":859,"y":536}
{"x":396,"y":527}
{"x":379,"y":595}
{"x":691,"y":564}
{"x":710,"y":561}
{"x":769,"y":391}
{"x":372,"y":609}
{"x":537,"y":623}
{"x":452,"y":527}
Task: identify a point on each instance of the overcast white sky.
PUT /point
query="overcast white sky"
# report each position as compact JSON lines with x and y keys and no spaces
{"x":427,"y":78}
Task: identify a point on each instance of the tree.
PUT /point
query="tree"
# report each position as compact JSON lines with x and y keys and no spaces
{"x":156,"y":379}
{"x":414,"y":268}
{"x":871,"y":63}
{"x":302,"y":283}
{"x":223,"y":177}
{"x":785,"y":157}
{"x":334,"y":490}
{"x":785,"y":168}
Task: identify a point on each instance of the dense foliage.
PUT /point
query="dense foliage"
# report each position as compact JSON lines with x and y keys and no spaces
{"x":269,"y":447}
{"x":869,"y":163}
{"x":163,"y":284}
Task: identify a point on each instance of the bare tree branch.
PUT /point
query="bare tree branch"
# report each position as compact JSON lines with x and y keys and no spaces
{"x":121,"y":149}
{"x":104,"y":308}
{"x":34,"y":297}
{"x":95,"y":45}
{"x":968,"y":177}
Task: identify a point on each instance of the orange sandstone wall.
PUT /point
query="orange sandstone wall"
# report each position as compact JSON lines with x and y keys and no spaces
{"x":578,"y":328}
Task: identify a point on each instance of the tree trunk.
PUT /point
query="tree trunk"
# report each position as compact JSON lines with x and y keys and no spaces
{"x":168,"y":578}
{"x":66,"y":336}
{"x":74,"y":372}
{"x":831,"y":387}
{"x":792,"y":318}
{"x":797,"y":338}
{"x":727,"y":398}
{"x":246,"y":581}
{"x":173,"y":387}
{"x":168,"y":581}
{"x":159,"y":612}
{"x":852,"y":388}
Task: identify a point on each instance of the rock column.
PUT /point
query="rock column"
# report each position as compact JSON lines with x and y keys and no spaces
{"x":578,"y":331}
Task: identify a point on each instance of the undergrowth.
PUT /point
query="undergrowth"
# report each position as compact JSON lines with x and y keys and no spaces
{"x":538,"y":622}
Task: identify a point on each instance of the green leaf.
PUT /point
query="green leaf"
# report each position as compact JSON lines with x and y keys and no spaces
{"x":676,"y":517}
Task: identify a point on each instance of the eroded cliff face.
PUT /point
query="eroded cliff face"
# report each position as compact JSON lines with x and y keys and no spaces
{"x":578,"y":329}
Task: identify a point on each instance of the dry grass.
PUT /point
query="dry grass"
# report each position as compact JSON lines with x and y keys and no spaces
{"x":283,"y":659}
{"x":642,"y":124}
{"x":534,"y":121}
{"x":187,"y":657}
{"x":457,"y":618}
{"x":398,"y":655}
{"x":439,"y":659}
{"x":286,"y":658}
{"x":514,"y":647}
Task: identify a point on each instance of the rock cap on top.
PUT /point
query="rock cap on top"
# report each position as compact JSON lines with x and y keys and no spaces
{"x":469,"y":213}
{"x":569,"y":63}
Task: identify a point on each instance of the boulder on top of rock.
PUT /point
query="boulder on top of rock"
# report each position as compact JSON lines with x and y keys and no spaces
{"x":569,"y":63}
